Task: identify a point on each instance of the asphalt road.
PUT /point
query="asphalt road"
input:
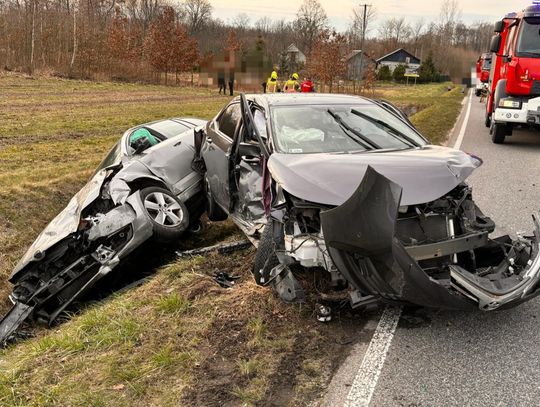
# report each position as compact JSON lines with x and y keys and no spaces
{"x":476,"y":359}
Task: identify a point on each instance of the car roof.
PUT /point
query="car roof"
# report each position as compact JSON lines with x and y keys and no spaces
{"x":287,"y":99}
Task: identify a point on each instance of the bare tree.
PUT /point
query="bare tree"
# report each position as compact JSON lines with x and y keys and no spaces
{"x":311,"y":20}
{"x":241,"y":22}
{"x":263,"y":25}
{"x":198,"y":13}
{"x":356,"y":27}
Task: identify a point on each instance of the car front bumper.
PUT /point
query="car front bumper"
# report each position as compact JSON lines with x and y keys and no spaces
{"x":360,"y":237}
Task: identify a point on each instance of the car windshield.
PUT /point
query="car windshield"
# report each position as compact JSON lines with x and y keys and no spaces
{"x":528,"y":44}
{"x":486,"y":66}
{"x":112,"y":158}
{"x":340,"y":128}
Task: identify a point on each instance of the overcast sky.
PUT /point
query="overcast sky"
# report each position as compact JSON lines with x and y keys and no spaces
{"x":339,"y":11}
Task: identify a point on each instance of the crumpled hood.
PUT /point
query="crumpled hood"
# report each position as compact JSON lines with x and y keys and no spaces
{"x":65,"y":223}
{"x":330,"y":179}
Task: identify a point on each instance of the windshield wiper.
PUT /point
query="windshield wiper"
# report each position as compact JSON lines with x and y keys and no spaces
{"x":397,"y":134}
{"x":358,"y":137}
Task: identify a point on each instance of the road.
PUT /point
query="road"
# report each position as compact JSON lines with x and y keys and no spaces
{"x":437,"y":358}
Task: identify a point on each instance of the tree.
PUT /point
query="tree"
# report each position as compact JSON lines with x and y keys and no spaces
{"x":356,"y":28}
{"x":399,"y":73}
{"x":159,"y":44}
{"x":198,"y":13}
{"x":326,"y":62}
{"x":311,"y":20}
{"x":384,"y":73}
{"x":185,"y":51}
{"x":427,"y":71}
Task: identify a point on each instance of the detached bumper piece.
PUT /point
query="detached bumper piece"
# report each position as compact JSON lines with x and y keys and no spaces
{"x":361,"y":239}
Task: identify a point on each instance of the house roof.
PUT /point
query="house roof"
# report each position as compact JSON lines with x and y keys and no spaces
{"x":293,"y":48}
{"x":396,"y":54}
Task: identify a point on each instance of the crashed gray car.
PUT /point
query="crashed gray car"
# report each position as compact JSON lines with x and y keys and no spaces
{"x":139,"y":191}
{"x":346,"y":190}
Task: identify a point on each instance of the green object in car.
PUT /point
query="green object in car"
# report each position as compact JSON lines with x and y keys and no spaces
{"x":142,"y":133}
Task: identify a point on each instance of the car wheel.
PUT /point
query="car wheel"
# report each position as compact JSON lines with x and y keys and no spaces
{"x":169,"y":216}
{"x":499,"y":132}
{"x":265,"y":258}
{"x":487,"y":122}
{"x":213,"y":210}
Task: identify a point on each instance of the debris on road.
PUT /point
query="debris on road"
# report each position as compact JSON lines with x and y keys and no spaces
{"x":221,"y":248}
{"x":225,"y":280}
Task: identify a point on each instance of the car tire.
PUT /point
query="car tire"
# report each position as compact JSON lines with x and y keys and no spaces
{"x":168,"y":215}
{"x":265,"y":257}
{"x":487,"y":122}
{"x":499,"y":132}
{"x":213,"y":210}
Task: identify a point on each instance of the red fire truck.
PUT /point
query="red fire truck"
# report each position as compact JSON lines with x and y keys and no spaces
{"x":483,"y":68}
{"x":514,"y":84}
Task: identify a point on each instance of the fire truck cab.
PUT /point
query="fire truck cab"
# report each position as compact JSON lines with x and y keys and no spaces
{"x":514,"y":86}
{"x":483,"y":68}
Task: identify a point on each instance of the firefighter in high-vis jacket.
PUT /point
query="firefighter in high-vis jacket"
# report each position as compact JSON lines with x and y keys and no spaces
{"x":292,"y":84}
{"x":272,"y":83}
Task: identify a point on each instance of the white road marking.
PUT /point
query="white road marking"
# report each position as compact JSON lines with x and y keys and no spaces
{"x":463,"y":129}
{"x":368,"y":374}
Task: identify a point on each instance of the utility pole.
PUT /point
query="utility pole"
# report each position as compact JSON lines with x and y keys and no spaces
{"x":364,"y":23}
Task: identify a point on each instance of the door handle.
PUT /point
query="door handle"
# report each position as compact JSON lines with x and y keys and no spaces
{"x":251,"y":160}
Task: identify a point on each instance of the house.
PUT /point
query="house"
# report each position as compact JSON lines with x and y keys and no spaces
{"x":294,"y":55}
{"x":357,"y":63}
{"x":399,"y":57}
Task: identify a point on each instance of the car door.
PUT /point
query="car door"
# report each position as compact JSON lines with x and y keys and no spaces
{"x":249,"y":160}
{"x":216,"y":152}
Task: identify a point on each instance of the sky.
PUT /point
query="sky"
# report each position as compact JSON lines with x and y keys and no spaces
{"x":340,"y":11}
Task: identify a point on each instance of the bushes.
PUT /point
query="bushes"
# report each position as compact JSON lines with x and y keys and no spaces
{"x":399,"y":73}
{"x":384,"y":74}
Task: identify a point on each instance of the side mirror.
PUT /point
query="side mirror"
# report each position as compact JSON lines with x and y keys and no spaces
{"x":249,"y":150}
{"x":495,"y":43}
{"x":499,"y":26}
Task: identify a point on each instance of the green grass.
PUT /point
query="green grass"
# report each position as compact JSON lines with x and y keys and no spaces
{"x":173,"y":340}
{"x":438,"y":107}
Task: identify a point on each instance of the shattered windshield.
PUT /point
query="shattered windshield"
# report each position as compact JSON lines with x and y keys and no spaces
{"x":528,"y":44}
{"x":340,"y":128}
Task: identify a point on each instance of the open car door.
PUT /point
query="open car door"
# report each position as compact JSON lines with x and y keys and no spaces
{"x":250,"y":153}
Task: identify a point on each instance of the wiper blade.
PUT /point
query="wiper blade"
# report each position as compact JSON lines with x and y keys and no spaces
{"x":359,"y":137}
{"x":397,"y":134}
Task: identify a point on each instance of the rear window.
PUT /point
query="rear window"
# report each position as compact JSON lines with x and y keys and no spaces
{"x":169,"y":128}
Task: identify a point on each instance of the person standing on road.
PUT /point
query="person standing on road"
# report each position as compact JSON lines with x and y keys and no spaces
{"x":307,"y":86}
{"x":272,"y":83}
{"x":231,"y":83}
{"x":292,"y":84}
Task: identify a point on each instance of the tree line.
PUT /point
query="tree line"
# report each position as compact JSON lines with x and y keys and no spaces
{"x":152,"y":39}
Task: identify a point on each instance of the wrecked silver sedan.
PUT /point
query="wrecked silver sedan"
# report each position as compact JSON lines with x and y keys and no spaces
{"x":144,"y":188}
{"x":345,"y":187}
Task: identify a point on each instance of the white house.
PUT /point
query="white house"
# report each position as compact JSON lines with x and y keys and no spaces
{"x":294,"y":55}
{"x":399,"y":57}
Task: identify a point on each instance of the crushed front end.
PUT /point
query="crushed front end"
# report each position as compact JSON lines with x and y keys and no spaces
{"x":437,"y":254}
